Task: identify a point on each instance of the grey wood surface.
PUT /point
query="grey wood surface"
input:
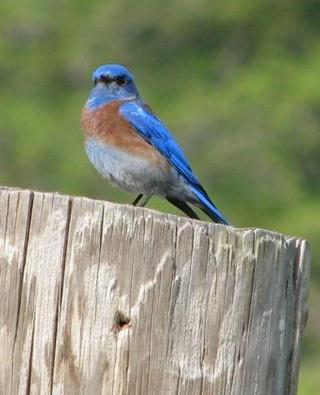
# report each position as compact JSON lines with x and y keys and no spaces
{"x":100,"y":298}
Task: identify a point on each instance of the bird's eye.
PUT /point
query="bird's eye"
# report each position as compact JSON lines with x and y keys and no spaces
{"x":121,"y":80}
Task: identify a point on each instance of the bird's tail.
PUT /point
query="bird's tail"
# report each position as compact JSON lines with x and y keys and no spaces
{"x":209,"y":208}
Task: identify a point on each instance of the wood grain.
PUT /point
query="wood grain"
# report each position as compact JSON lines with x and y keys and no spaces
{"x":100,"y":298}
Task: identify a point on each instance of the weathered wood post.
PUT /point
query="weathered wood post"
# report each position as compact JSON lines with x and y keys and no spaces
{"x":100,"y":298}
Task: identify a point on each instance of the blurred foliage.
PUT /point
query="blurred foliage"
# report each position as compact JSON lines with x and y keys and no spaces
{"x":237,"y":82}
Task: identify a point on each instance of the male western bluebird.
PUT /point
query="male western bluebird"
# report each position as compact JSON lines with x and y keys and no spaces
{"x":129,"y":145}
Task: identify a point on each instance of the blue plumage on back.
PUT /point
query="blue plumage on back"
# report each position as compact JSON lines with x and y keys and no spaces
{"x":156,"y":133}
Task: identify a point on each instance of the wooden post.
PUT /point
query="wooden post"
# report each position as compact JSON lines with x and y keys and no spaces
{"x":101,"y":298}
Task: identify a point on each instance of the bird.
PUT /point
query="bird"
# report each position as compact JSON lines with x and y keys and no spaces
{"x":132,"y":148}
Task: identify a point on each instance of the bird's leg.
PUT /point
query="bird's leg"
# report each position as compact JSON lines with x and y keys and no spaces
{"x":145,"y":200}
{"x":136,"y":200}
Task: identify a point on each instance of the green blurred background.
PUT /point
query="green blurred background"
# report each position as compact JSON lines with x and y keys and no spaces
{"x":238,"y":82}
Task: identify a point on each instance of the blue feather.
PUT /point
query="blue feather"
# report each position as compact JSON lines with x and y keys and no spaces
{"x":156,"y":133}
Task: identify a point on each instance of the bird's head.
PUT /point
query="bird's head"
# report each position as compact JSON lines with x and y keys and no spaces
{"x":111,"y":82}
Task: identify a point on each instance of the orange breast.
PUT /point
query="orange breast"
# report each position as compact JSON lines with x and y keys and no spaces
{"x":107,"y":125}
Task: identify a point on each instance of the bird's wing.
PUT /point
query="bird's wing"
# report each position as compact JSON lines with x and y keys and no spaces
{"x":156,"y":133}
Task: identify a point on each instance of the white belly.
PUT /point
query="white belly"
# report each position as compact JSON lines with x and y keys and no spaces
{"x":129,"y":172}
